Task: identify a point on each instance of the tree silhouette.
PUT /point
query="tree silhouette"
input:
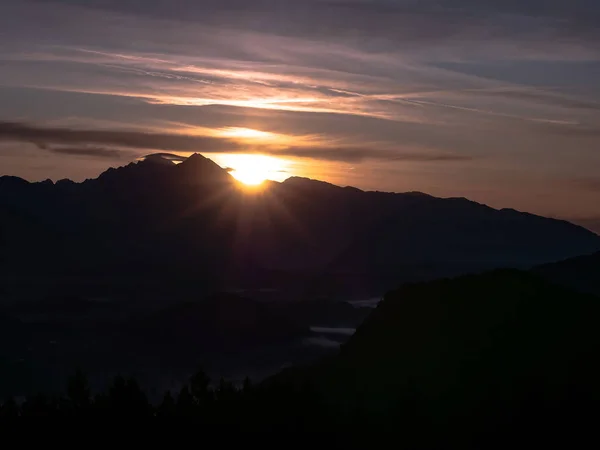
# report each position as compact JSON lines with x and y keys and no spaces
{"x":38,"y":406}
{"x":9,"y":408}
{"x":199,"y":387}
{"x":126,"y":398}
{"x":167,"y":407}
{"x":79,"y":393}
{"x":185,"y":405}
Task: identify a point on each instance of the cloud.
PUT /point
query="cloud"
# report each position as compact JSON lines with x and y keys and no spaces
{"x":368,"y":23}
{"x":431,"y":157}
{"x":165,"y":156}
{"x":97,"y":152}
{"x":366,"y":59}
{"x":356,"y":154}
{"x":434,"y":83}
{"x":541,"y":96}
{"x":47,"y":136}
{"x":92,"y":142}
{"x":416,"y":95}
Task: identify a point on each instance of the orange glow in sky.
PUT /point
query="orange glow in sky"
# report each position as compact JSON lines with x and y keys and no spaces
{"x":253,"y":169}
{"x":245,"y":133}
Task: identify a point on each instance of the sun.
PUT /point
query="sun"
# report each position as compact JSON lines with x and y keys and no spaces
{"x":251,"y":174}
{"x":253,"y":170}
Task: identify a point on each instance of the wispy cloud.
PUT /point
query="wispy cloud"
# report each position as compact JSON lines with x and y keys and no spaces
{"x":458,"y":27}
{"x":301,"y":57}
{"x":404,"y":92}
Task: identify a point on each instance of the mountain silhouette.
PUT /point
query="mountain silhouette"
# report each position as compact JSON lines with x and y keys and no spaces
{"x":581,"y":273}
{"x":219,"y":322}
{"x":192,"y":220}
{"x":479,"y":353}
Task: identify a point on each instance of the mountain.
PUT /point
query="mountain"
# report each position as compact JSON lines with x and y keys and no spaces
{"x":157,"y":220}
{"x":214,"y":324}
{"x":480,"y":353}
{"x":215,"y":331}
{"x":581,"y":273}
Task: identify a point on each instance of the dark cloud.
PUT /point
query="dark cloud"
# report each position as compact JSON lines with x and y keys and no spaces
{"x":346,"y":154}
{"x":86,"y":150}
{"x":97,"y":152}
{"x":357,"y":154}
{"x":428,"y":157}
{"x":86,"y":142}
{"x":13,"y":131}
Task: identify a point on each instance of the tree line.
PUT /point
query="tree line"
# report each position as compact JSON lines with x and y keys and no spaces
{"x":249,"y":406}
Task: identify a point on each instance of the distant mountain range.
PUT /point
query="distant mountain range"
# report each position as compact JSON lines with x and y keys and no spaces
{"x":154,"y":220}
{"x":581,"y":273}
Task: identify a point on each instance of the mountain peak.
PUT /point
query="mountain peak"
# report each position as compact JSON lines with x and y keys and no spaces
{"x":196,"y":157}
{"x":198,"y":168}
{"x":8,"y":179}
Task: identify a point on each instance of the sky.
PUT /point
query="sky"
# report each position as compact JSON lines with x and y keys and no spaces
{"x":494,"y":100}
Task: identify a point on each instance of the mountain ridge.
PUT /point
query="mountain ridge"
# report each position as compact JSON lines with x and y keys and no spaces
{"x":195,"y":218}
{"x":294,"y":180}
{"x":159,"y":159}
{"x":489,"y":352}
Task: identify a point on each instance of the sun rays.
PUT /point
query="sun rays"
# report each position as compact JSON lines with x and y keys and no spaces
{"x":253,"y":169}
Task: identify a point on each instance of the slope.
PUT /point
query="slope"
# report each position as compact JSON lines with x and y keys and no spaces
{"x":480,"y":352}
